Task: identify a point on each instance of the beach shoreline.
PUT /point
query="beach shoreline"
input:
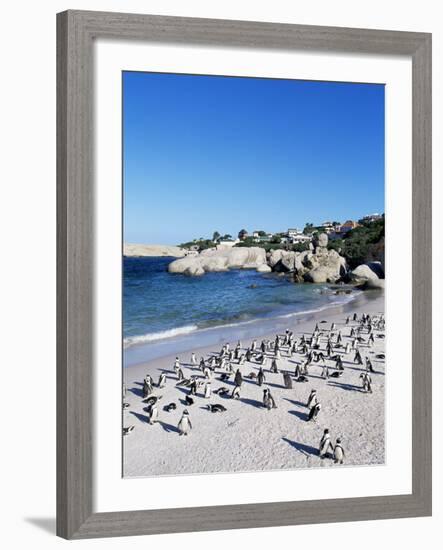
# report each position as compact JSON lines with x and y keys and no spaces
{"x":247,"y":437}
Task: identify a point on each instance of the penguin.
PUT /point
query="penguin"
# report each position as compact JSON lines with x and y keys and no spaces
{"x":147,"y":386}
{"x":207,"y":372}
{"x":325,"y":444}
{"x":235,"y":393}
{"x":254,"y":345}
{"x":184,"y":425}
{"x":180,"y":374}
{"x":176,"y":365}
{"x":217,"y":408}
{"x":161,"y":380}
{"x":223,"y":377}
{"x":302,"y":378}
{"x":238,"y":379}
{"x":366,"y":382}
{"x":339,"y":453}
{"x":312,"y":399}
{"x":153,"y":415}
{"x":287,"y":380}
{"x":336,"y":374}
{"x":193,"y":359}
{"x":325,"y":371}
{"x":268,"y":400}
{"x":357,"y":358}
{"x":313,"y":413}
{"x":126,"y":406}
{"x":274,"y":367}
{"x":297,"y":372}
{"x":170,"y":407}
{"x":261,"y":377}
{"x":128,"y":430}
{"x":252,"y":376}
{"x":242,"y":359}
{"x":189,"y":401}
{"x":369,"y":365}
{"x":207,"y":392}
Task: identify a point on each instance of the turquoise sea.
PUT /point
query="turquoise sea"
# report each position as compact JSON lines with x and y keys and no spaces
{"x":166,"y":313}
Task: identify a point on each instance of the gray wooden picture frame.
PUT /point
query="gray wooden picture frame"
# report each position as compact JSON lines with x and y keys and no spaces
{"x":76,"y":32}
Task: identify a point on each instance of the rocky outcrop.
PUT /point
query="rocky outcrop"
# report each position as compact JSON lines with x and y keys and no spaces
{"x":221,"y":260}
{"x":370,"y":271}
{"x":141,"y":250}
{"x":317,"y":265}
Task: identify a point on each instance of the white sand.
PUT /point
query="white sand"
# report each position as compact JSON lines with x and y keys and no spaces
{"x":138,"y":250}
{"x":247,"y":437}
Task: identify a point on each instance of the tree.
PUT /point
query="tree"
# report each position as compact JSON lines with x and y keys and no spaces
{"x":226,"y":237}
{"x":216,"y":236}
{"x":262,"y":233}
{"x":308,"y":228}
{"x":242,"y":234}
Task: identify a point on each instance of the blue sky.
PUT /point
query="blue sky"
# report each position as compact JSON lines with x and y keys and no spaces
{"x":206,"y":153}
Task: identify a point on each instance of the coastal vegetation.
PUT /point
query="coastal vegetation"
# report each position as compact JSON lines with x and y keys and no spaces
{"x":362,"y":244}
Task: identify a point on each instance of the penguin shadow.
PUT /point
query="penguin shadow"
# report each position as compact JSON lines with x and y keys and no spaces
{"x":142,"y":417}
{"x":138,"y":383}
{"x":314,"y":376}
{"x":305,"y":449}
{"x":169,"y":428}
{"x":183,"y":390}
{"x":343,"y":386}
{"x":252,"y":402}
{"x":299,"y":414}
{"x":279,"y":386}
{"x":136,"y":391}
{"x":294,"y":402}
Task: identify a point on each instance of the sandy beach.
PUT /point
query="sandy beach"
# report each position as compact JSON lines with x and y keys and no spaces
{"x":248,"y":437}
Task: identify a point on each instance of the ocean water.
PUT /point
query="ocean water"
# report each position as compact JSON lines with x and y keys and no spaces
{"x":160,"y":307}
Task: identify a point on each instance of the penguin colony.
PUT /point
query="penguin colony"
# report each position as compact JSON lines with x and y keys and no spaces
{"x":325,"y":353}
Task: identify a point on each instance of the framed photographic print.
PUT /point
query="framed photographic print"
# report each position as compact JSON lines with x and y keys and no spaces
{"x":244,"y":280}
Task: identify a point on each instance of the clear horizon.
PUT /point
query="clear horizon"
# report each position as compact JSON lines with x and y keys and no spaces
{"x":211,"y":153}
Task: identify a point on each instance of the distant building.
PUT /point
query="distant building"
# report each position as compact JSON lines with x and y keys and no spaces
{"x":295,"y":236}
{"x":293,"y":232}
{"x":301,"y":238}
{"x":328,"y":227}
{"x":345,"y":227}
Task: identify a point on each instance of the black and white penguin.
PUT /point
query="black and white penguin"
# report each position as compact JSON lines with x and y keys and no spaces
{"x":313,"y":413}
{"x":312,"y":399}
{"x":153,"y":415}
{"x":216,"y":408}
{"x":161,"y":380}
{"x":184,"y":425}
{"x":366,"y":382}
{"x":274,"y":366}
{"x":238,"y":378}
{"x":325,"y":444}
{"x":189,"y":401}
{"x":128,"y":430}
{"x":268,"y":400}
{"x":235,"y":392}
{"x":261,"y":377}
{"x":207,"y":391}
{"x":287,"y":380}
{"x":339,"y":454}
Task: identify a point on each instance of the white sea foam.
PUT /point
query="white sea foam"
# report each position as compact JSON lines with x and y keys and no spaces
{"x":180,"y":331}
{"x":152,"y":336}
